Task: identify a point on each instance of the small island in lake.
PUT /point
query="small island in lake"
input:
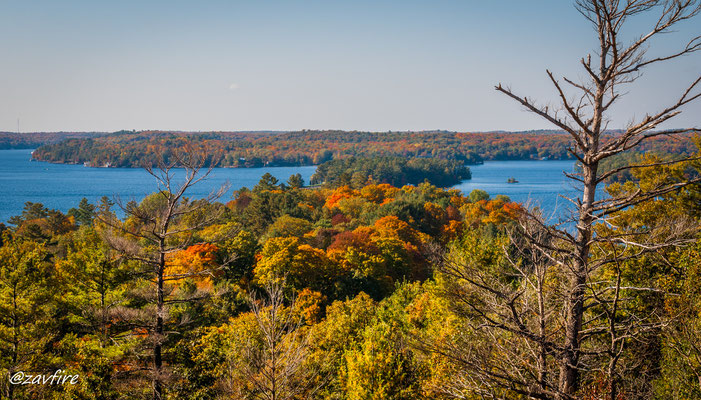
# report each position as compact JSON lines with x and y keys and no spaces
{"x":511,"y":180}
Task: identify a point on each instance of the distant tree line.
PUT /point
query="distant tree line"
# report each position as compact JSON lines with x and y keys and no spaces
{"x":32,"y":140}
{"x":397,"y":171}
{"x":135,"y":149}
{"x":258,"y":149}
{"x":671,"y":151}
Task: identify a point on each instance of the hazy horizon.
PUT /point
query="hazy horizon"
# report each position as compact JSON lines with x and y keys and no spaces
{"x":558,"y":131}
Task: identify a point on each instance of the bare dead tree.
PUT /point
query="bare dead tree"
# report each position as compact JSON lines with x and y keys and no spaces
{"x":162,"y":225}
{"x":590,"y":328}
{"x":274,"y":367}
{"x":509,"y":339}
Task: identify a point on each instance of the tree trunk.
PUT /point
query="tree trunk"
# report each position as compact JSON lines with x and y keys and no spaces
{"x":157,"y":358}
{"x":543,"y":354}
{"x":569,"y":373}
{"x":15,"y":340}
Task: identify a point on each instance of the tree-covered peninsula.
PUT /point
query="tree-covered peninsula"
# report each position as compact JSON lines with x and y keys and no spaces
{"x":258,"y":149}
{"x":136,"y":149}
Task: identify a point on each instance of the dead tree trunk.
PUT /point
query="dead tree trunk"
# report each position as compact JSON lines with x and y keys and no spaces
{"x":163,"y":226}
{"x":584,"y":118}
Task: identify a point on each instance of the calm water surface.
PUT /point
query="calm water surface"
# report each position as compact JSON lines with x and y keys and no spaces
{"x":62,"y":186}
{"x":540,"y":183}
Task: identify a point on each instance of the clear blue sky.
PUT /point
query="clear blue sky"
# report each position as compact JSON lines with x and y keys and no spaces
{"x":284,"y":65}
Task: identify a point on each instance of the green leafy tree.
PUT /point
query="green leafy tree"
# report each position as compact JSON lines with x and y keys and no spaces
{"x":287,"y":225}
{"x":383,"y":365}
{"x":26,"y":307}
{"x":295,"y":181}
{"x":31,"y":211}
{"x":339,"y":333}
{"x":478,"y":195}
{"x":95,"y":284}
{"x":267,"y":182}
{"x":84,"y":214}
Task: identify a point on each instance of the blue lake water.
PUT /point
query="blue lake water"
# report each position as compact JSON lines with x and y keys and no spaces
{"x":62,"y":186}
{"x":540,"y":183}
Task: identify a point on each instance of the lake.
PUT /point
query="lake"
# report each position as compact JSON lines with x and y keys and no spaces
{"x":540,"y":183}
{"x":61,"y":186}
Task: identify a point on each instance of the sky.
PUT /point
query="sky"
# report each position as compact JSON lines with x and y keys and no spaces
{"x":289,"y":65}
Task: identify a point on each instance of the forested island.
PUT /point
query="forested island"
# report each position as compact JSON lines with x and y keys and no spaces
{"x":397,"y":171}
